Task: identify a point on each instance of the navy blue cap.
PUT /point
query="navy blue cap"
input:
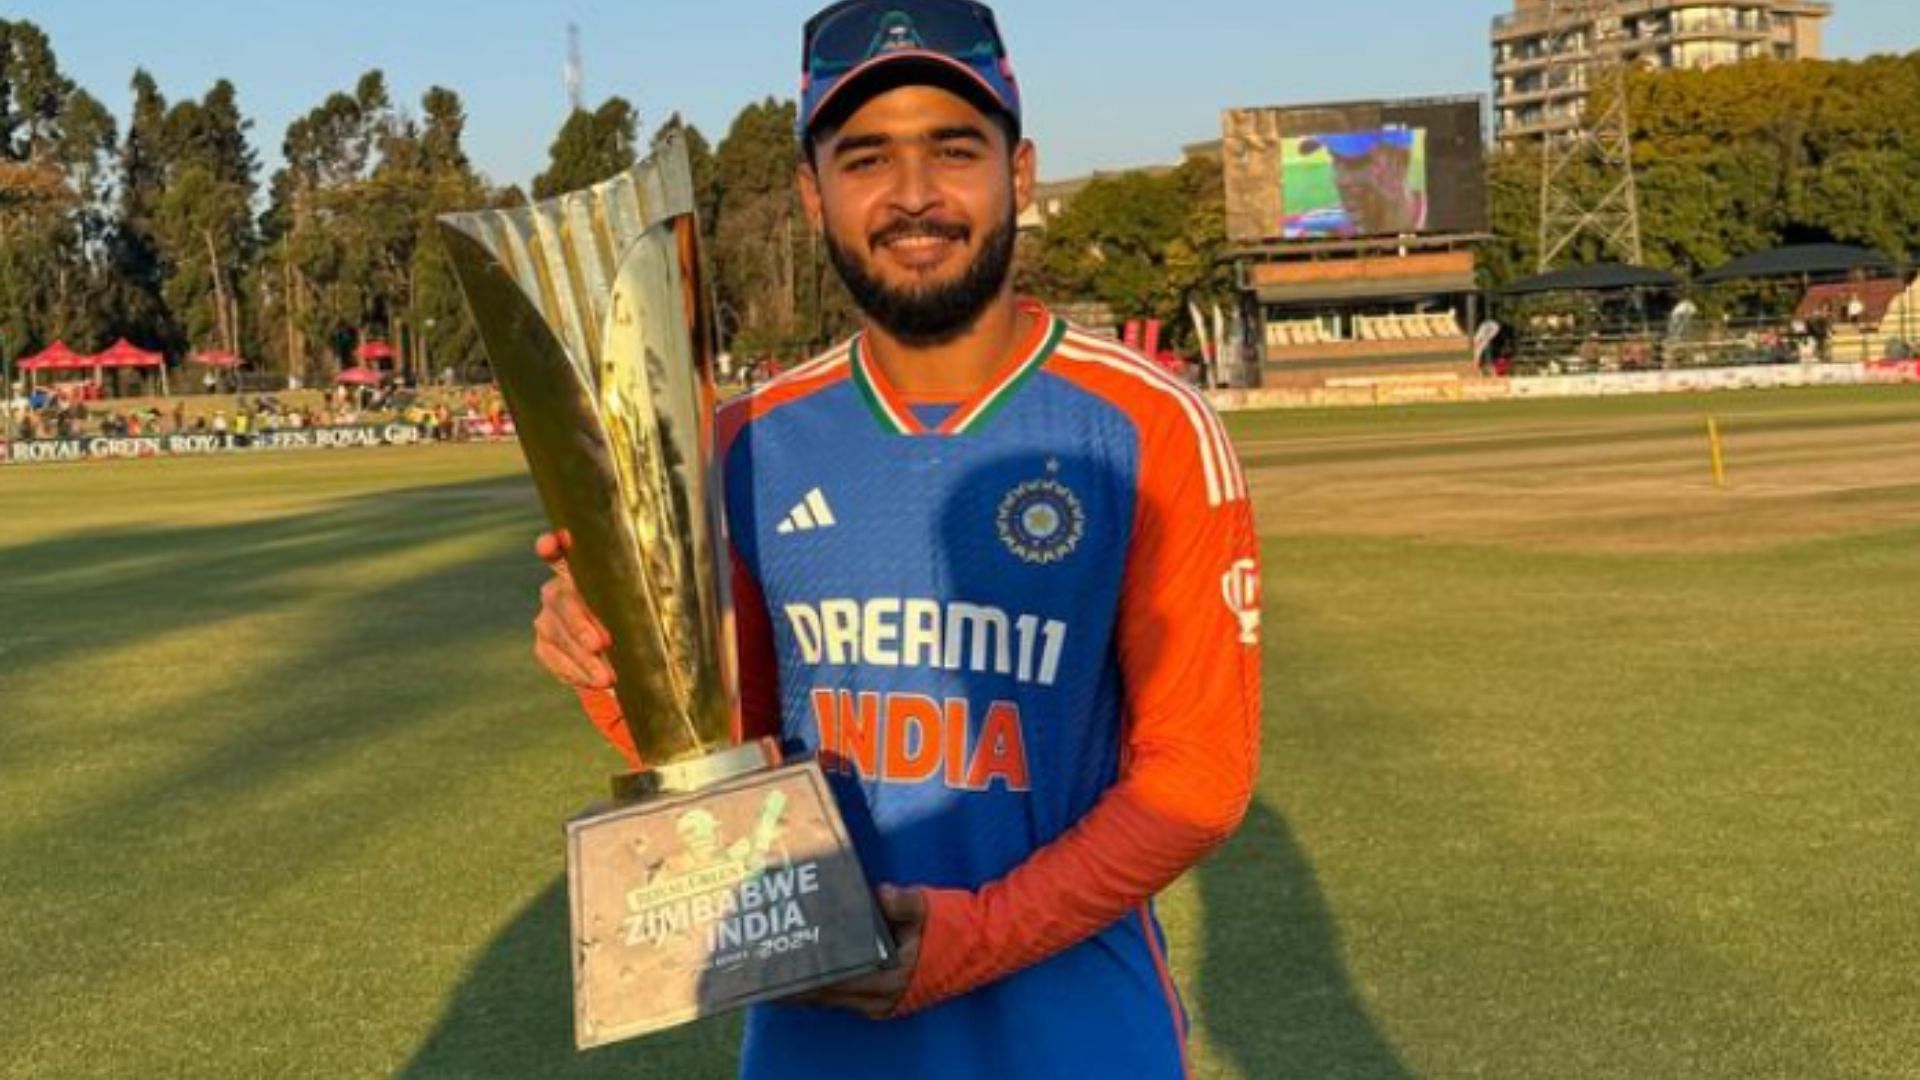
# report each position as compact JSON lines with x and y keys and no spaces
{"x":872,"y":43}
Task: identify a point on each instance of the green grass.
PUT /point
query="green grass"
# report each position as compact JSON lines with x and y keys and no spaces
{"x":1546,"y":792}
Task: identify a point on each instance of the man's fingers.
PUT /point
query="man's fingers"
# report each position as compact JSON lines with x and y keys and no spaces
{"x":552,"y":547}
{"x":560,"y":665}
{"x":584,"y":625}
{"x":583,"y":663}
{"x":560,"y":597}
{"x":871,"y":1003}
{"x":581,"y":622}
{"x":906,"y":907}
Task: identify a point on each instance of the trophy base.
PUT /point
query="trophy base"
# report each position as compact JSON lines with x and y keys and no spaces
{"x":683,"y":777}
{"x":713,"y":885}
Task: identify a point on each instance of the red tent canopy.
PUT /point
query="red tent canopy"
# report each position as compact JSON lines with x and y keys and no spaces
{"x":373,"y":350}
{"x":216,"y":358}
{"x":56,"y":357}
{"x":124,"y":353}
{"x":359,"y":376}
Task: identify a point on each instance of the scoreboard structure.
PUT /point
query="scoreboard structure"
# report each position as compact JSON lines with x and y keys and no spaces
{"x":1355,"y":229}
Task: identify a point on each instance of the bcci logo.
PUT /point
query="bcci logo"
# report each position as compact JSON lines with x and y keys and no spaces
{"x":897,"y":33}
{"x":1240,"y":587}
{"x":1041,"y":521}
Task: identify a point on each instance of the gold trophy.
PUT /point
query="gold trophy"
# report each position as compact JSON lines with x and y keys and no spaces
{"x":719,"y":876}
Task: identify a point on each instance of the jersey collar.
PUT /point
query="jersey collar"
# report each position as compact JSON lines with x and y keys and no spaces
{"x":893,"y":413}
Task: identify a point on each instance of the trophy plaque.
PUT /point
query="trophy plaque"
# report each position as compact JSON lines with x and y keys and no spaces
{"x":719,"y":876}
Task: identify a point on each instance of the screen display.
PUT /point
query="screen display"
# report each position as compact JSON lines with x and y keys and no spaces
{"x":1354,"y":183}
{"x":1346,"y":172}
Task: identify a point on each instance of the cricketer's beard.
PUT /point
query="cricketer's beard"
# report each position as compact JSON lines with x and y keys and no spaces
{"x":939,"y":313}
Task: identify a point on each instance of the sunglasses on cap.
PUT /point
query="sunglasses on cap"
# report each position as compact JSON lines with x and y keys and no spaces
{"x":845,"y":41}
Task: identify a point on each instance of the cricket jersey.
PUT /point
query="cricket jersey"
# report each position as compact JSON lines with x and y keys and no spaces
{"x":1021,"y":632}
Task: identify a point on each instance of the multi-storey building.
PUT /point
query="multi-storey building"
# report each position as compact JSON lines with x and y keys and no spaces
{"x":1534,"y":97}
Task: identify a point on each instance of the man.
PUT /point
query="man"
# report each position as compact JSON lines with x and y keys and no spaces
{"x":999,"y":574}
{"x":1373,"y":172}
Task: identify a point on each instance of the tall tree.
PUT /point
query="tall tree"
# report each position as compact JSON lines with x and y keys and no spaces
{"x":776,"y":291}
{"x":591,"y":147}
{"x":138,"y":276}
{"x":55,"y":152}
{"x":320,"y":278}
{"x":202,"y":221}
{"x":1145,"y":243}
{"x":353,"y":251}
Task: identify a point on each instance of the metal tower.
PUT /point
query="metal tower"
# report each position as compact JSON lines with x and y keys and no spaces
{"x":1585,"y":39}
{"x":576,"y":69}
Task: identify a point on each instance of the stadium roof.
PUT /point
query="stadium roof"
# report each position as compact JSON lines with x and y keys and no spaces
{"x":1601,"y":277}
{"x":1799,"y":260}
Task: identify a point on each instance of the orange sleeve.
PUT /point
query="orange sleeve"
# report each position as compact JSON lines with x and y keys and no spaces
{"x":1188,"y":645}
{"x":604,"y":710}
{"x":759,"y":667}
{"x":759,"y":714}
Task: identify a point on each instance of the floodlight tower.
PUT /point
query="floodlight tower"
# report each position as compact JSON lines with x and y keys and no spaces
{"x":576,"y":69}
{"x":1586,"y":46}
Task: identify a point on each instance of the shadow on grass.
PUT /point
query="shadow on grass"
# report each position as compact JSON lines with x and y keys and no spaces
{"x":513,"y":1017}
{"x":104,"y":588}
{"x":225,"y":795}
{"x":1274,"y":990}
{"x":1277,"y":1000}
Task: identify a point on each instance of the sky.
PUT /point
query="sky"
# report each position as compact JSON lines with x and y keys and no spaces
{"x":1106,"y":85}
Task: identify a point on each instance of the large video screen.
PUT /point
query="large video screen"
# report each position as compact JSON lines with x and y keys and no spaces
{"x":1349,"y":172}
{"x":1354,"y":183}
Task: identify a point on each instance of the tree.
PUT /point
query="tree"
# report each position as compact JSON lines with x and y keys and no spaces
{"x":56,"y":142}
{"x":776,"y":288}
{"x":591,"y":147}
{"x":320,"y":275}
{"x":1145,"y":243}
{"x":201,"y":223}
{"x":353,"y":248}
{"x":1735,"y":159}
{"x":138,"y":277}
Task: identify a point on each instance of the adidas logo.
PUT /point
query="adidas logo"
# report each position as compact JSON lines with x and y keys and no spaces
{"x":812,"y":513}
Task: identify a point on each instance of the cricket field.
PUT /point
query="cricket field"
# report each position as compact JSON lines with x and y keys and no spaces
{"x":1575,"y":764}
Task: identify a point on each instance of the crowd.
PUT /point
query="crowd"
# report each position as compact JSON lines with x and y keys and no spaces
{"x":443,"y":415}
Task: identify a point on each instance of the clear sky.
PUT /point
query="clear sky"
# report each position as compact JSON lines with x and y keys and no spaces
{"x":1108,"y":84}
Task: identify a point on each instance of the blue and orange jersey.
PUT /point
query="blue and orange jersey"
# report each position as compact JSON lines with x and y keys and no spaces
{"x":1021,"y":631}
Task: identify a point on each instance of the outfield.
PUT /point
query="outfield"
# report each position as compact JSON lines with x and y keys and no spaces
{"x":1575,"y":766}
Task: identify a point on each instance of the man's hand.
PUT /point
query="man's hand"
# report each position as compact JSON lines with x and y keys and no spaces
{"x":568,"y":640}
{"x":876,"y":996}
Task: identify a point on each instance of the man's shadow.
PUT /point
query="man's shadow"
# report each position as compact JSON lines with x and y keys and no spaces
{"x":512,"y":1017}
{"x":1272,"y":991}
